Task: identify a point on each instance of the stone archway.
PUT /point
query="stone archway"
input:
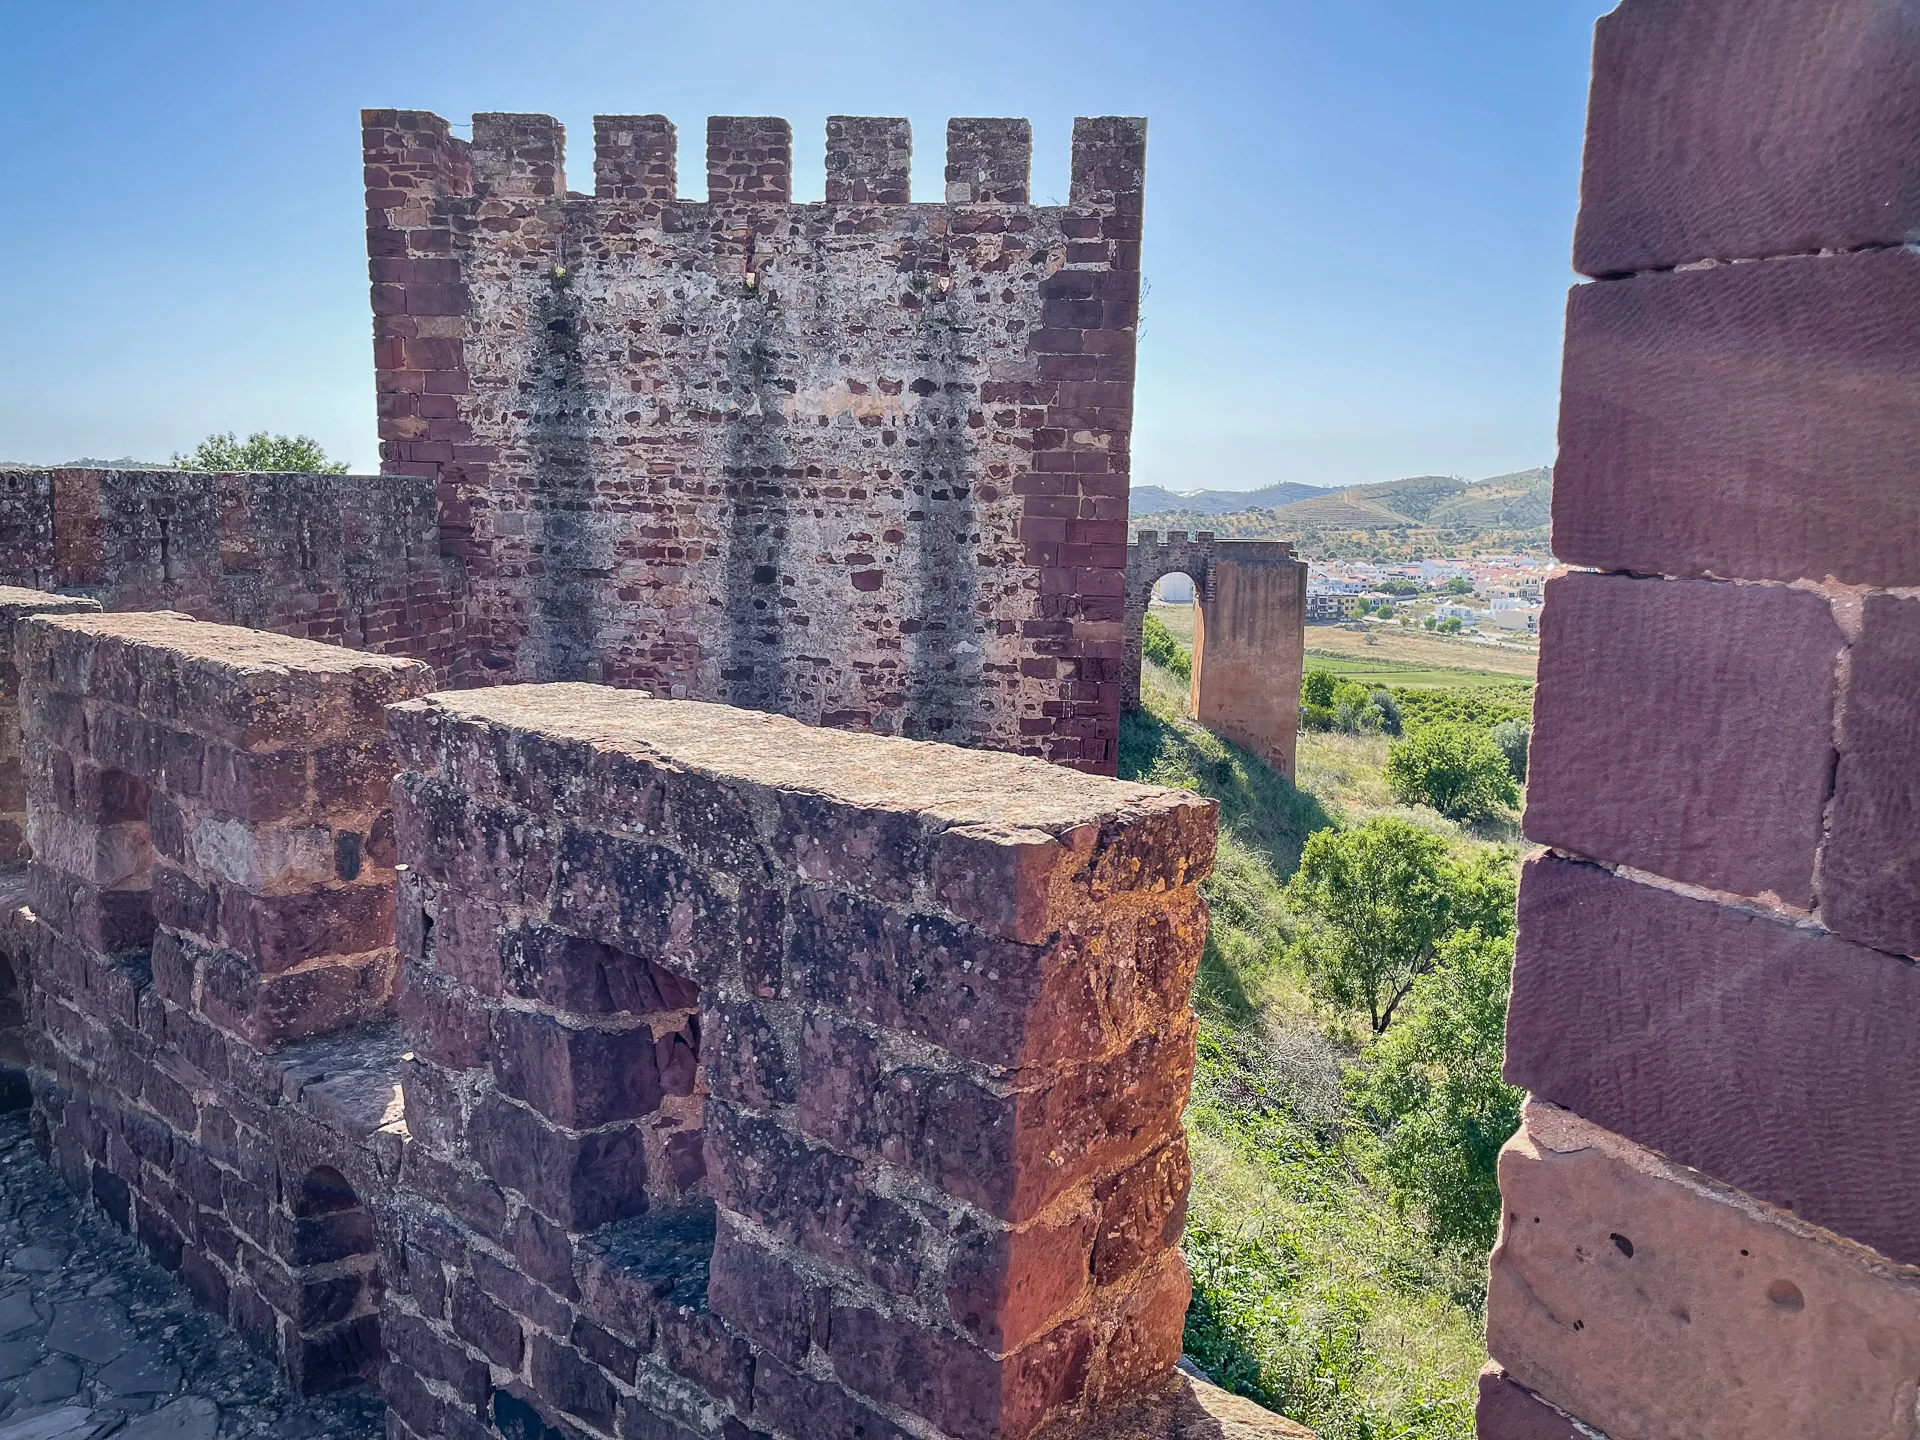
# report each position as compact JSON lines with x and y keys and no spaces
{"x":1249,"y":634}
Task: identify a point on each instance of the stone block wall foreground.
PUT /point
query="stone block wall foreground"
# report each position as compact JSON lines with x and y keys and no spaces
{"x":1711,"y":1227}
{"x":860,"y":461}
{"x":582,"y":1064}
{"x":776,"y":1079}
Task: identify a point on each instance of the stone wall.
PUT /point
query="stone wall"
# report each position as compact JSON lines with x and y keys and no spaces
{"x":212,"y":879}
{"x":776,"y":1079}
{"x":748,"y":1078}
{"x":1249,"y":637}
{"x":1711,"y":1228}
{"x":352,"y":560}
{"x":863,"y":462}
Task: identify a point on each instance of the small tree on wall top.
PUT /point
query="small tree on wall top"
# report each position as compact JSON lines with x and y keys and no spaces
{"x":259,"y":453}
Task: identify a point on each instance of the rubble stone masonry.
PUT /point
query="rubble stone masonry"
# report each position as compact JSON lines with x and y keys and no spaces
{"x":1710,"y":1229}
{"x":861,"y":461}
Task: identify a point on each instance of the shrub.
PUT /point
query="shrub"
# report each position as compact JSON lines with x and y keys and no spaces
{"x":1484,"y":705}
{"x":1432,"y":1087}
{"x":1317,"y":688}
{"x":1512,"y":738}
{"x":1389,"y":708}
{"x":1457,"y":769}
{"x":1158,"y":644}
{"x":1458,"y":586}
{"x":1452,"y":625}
{"x":1381,"y":897}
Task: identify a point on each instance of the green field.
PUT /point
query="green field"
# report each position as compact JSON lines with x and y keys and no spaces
{"x":1394,"y":672}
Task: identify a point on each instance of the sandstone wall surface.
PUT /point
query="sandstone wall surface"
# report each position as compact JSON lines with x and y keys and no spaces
{"x":1709,"y":1226}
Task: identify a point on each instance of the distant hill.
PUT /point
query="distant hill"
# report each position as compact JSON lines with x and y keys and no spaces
{"x":1153,"y":500}
{"x":1426,"y":515}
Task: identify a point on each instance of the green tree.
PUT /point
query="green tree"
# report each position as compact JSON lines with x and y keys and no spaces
{"x":1457,"y":769}
{"x":1512,"y":738}
{"x":1317,"y":688}
{"x":1379,"y":899}
{"x":1158,"y":644}
{"x":1432,"y":1088}
{"x":260,"y":452}
{"x":1457,"y":586}
{"x":1452,"y":625}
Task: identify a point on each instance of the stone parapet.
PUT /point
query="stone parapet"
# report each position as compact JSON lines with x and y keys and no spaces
{"x":777,"y":1077}
{"x":211,"y":891}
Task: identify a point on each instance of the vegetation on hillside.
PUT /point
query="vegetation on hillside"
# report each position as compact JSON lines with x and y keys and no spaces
{"x":1343,"y":1198}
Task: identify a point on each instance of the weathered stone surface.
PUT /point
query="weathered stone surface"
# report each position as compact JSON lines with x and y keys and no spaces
{"x":1724,"y":130}
{"x":1506,"y":1411}
{"x":1870,"y":866}
{"x":1648,"y":1301}
{"x":1723,"y":697}
{"x":1740,"y":422}
{"x":1772,"y":1057}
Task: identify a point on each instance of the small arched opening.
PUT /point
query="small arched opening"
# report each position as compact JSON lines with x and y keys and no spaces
{"x":1169,"y":639}
{"x":333,"y":1332}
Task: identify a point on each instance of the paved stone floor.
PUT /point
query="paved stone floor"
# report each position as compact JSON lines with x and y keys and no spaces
{"x":96,"y":1340}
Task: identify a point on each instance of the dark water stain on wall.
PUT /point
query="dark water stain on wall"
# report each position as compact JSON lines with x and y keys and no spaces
{"x":567,"y":545}
{"x":756,"y":468}
{"x":944,"y":650}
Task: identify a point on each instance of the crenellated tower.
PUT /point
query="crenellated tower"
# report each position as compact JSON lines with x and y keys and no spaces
{"x":860,"y":461}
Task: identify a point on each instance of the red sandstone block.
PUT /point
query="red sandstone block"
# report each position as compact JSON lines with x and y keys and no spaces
{"x":1507,"y":1411}
{"x":568,"y":1382}
{"x":1142,"y":1211}
{"x":921,"y":974}
{"x":644,"y":899}
{"x":1703,"y":412}
{"x":812,"y":1196}
{"x":757,"y":1291}
{"x":110,"y":922}
{"x":267,"y":1011}
{"x":1005,"y":1287}
{"x":579,"y":1077}
{"x":1685,"y":728}
{"x":796,"y":1404}
{"x":1870,"y":868}
{"x":1724,"y":130}
{"x":444,"y":1021}
{"x":879,"y":853}
{"x":964,"y":1391}
{"x":579,"y":1181}
{"x":1773,"y":1057}
{"x":277,"y":932}
{"x":488,"y":1327}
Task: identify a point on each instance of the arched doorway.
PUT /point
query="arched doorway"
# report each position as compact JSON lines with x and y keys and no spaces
{"x":1249,"y":629}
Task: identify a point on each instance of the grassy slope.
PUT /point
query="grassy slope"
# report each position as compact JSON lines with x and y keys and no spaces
{"x":1311,"y":1294}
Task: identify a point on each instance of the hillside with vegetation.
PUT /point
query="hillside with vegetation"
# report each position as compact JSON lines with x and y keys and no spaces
{"x":1428,"y":516}
{"x":1348,"y":1105}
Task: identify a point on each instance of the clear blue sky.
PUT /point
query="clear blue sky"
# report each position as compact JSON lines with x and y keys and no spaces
{"x":1358,"y":212}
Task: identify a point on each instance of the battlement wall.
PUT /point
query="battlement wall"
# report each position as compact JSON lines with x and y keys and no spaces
{"x":863,"y":462}
{"x":351,"y":560}
{"x":575,"y":1063}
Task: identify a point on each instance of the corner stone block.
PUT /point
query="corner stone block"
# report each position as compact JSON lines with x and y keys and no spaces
{"x":1622,"y":1282}
{"x":1740,"y":129}
{"x":1771,"y":1056}
{"x":1870,"y":868}
{"x":1738,"y":422}
{"x":1685,"y":728}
